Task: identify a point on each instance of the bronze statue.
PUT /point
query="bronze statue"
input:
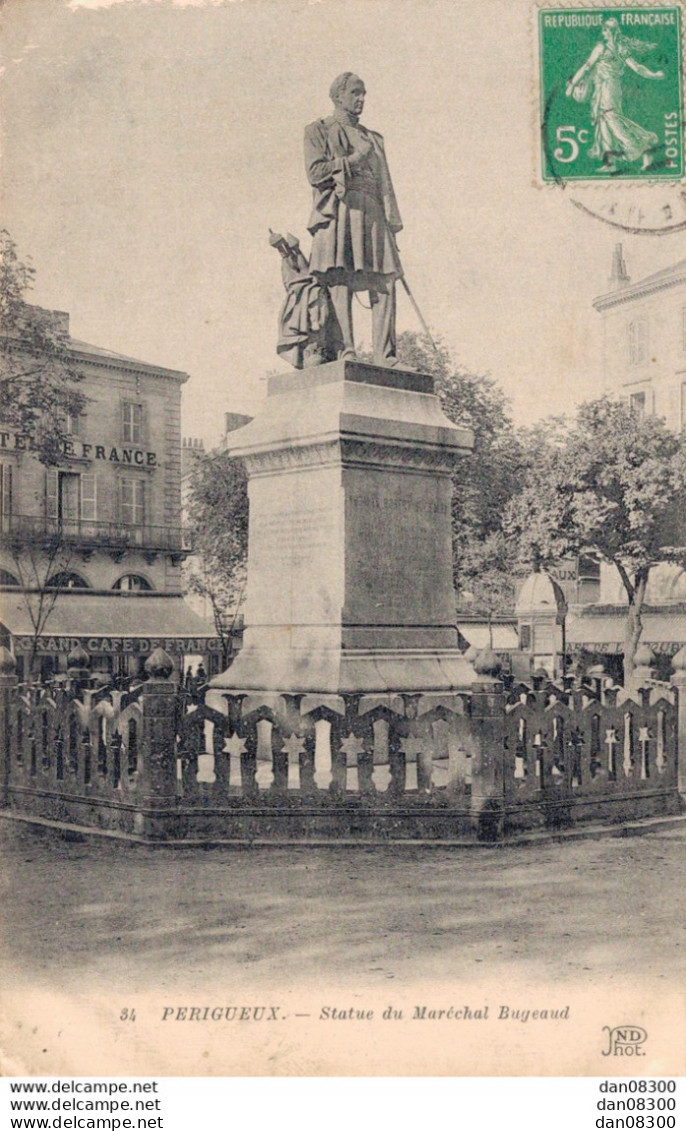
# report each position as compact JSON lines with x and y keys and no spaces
{"x":354,"y":217}
{"x":308,"y":330}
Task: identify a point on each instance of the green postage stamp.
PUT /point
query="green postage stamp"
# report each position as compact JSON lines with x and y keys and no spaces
{"x":611,"y":93}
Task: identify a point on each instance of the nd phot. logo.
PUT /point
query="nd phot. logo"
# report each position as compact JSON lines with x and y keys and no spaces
{"x":625,"y":1040}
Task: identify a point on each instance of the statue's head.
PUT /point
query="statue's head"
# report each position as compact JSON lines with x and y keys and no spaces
{"x":347,"y":92}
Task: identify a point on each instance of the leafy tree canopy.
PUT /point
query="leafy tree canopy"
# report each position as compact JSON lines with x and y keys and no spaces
{"x":483,"y":482}
{"x":217,"y":517}
{"x":612,"y":485}
{"x":38,"y":378}
{"x":487,"y":570}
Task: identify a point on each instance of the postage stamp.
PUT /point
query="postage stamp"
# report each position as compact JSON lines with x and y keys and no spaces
{"x":611,"y":94}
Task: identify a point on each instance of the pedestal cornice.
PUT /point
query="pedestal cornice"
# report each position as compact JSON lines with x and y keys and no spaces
{"x":348,"y":402}
{"x":350,"y":451}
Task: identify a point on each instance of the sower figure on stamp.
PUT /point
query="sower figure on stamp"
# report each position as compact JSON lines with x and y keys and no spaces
{"x":354,"y":217}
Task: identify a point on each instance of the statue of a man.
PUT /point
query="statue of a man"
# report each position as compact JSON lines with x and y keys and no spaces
{"x":354,"y":217}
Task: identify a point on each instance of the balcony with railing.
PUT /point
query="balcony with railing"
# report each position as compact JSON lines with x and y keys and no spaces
{"x":94,"y":535}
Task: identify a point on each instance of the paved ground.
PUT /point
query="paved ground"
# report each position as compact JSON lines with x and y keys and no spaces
{"x":78,"y":912}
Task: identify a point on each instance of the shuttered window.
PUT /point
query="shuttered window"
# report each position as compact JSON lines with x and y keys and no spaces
{"x":5,"y":495}
{"x":51,"y":494}
{"x":637,"y":341}
{"x":132,"y":501}
{"x":79,"y":496}
{"x":89,"y":498}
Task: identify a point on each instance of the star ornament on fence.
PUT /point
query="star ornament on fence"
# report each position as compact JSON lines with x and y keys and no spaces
{"x":352,"y":747}
{"x":234,"y":746}
{"x":412,"y":745}
{"x":293,"y":746}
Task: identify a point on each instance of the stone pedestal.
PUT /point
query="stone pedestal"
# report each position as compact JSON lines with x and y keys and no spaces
{"x":350,"y":557}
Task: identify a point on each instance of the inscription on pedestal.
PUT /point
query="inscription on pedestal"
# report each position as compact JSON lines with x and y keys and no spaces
{"x":398,"y":568}
{"x":385,"y":504}
{"x":294,"y":534}
{"x":294,"y":557}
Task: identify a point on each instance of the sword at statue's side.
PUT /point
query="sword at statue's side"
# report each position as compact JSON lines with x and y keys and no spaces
{"x":413,"y":300}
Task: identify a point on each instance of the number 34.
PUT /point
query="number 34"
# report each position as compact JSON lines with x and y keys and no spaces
{"x":565,"y":136}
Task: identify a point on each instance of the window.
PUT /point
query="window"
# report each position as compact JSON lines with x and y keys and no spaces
{"x":637,"y":403}
{"x":89,"y":498}
{"x":70,"y":497}
{"x":637,"y":341}
{"x":132,"y":583}
{"x":52,"y":493}
{"x":132,"y":422}
{"x":132,"y":501}
{"x":525,"y":637}
{"x":66,"y":580}
{"x":73,"y":425}
{"x":7,"y":578}
{"x":5,"y":495}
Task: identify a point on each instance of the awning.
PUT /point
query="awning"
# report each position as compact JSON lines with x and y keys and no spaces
{"x":477,"y":633}
{"x":664,"y":632}
{"x":110,"y":624}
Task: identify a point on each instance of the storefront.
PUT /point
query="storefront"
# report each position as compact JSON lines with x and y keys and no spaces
{"x":500,"y":636}
{"x":598,"y":637}
{"x":118,"y":632}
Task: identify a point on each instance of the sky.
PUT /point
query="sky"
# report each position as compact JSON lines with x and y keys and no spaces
{"x":149,"y":146}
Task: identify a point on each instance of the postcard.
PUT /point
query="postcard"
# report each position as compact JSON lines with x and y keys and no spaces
{"x":280,"y":231}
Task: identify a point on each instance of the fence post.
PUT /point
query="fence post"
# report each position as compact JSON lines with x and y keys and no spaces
{"x":156,"y":788}
{"x":644,"y":668}
{"x":8,"y":681}
{"x":679,"y":684}
{"x":487,"y":735}
{"x":78,"y":662}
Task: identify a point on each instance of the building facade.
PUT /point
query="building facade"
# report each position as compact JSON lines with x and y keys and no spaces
{"x":644,"y":364}
{"x":92,"y":549}
{"x":644,"y":340}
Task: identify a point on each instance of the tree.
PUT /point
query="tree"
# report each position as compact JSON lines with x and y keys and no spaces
{"x":38,"y":378}
{"x":217,"y":517}
{"x":41,"y":564}
{"x":611,"y":485}
{"x":38,"y":392}
{"x":483,"y":482}
{"x":487,"y":567}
